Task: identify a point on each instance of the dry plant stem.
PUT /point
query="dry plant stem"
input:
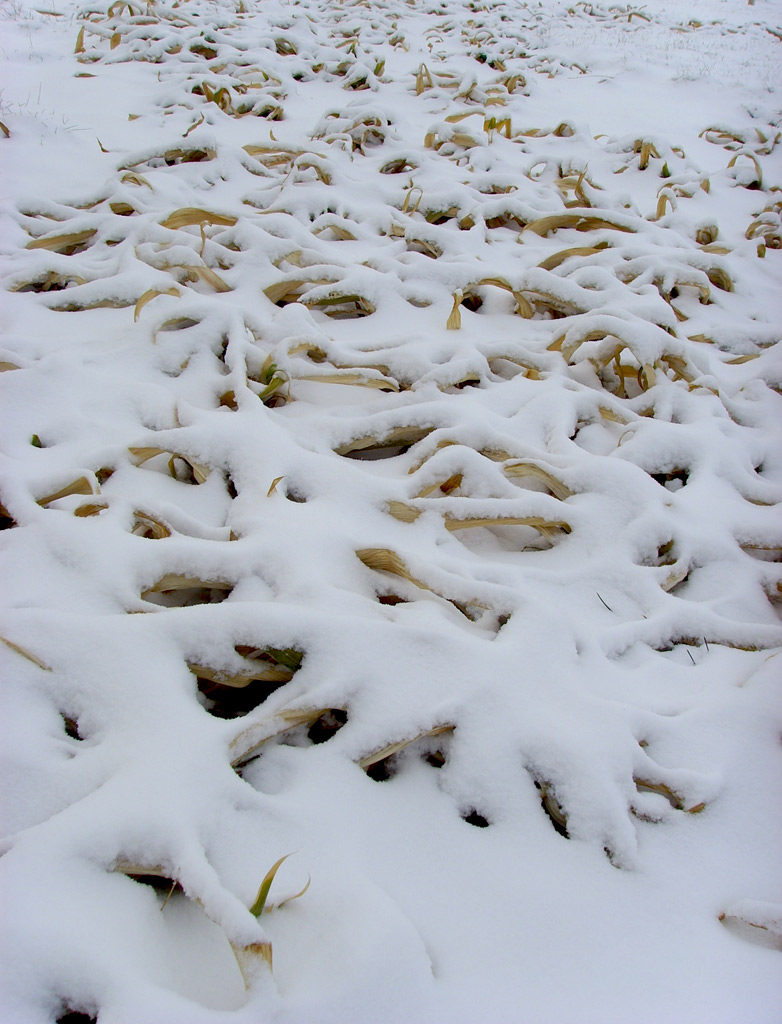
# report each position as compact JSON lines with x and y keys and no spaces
{"x":253,"y":960}
{"x":393,"y":748}
{"x":28,"y":655}
{"x":409,"y":514}
{"x":254,"y":736}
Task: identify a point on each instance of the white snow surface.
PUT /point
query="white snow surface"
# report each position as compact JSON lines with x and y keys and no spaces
{"x":361,"y":439}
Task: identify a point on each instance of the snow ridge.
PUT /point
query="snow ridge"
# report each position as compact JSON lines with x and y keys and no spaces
{"x":390,"y":448}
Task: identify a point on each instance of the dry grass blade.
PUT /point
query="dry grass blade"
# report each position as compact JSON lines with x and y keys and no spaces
{"x":408,"y":514}
{"x":405,"y":435}
{"x":706,"y":234}
{"x":131,"y":178}
{"x":755,"y":161}
{"x":193,"y":126}
{"x":647,"y":150}
{"x":765,"y":919}
{"x":393,"y":748}
{"x":446,"y":486}
{"x":340,"y":234}
{"x":720,"y":279}
{"x":557,"y":258}
{"x":142,"y":454}
{"x":569,"y":350}
{"x":456,"y":118}
{"x":677,"y":574}
{"x":341,"y":306}
{"x":272,"y":154}
{"x":423,"y":80}
{"x":588,"y":221}
{"x":188,"y":216}
{"x":205,"y":274}
{"x":66,"y":244}
{"x":133,"y":868}
{"x":664,"y":201}
{"x":680,"y":368}
{"x":18,"y":649}
{"x":673,"y":798}
{"x":290,"y":899}
{"x":287,"y":290}
{"x":523,"y":308}
{"x":149,"y":295}
{"x":177,"y":156}
{"x":51,"y":281}
{"x":742,"y":359}
{"x":258,"y":671}
{"x":146,"y":525}
{"x":411,"y":205}
{"x":176,"y":581}
{"x":501,"y":125}
{"x":251,"y":958}
{"x":121,"y":209}
{"x":309,"y":161}
{"x":454,"y":321}
{"x":385,"y":560}
{"x":543,"y":526}
{"x":254,"y":736}
{"x":90,"y":509}
{"x":522,"y":469}
{"x":356,"y":379}
{"x":81,"y":485}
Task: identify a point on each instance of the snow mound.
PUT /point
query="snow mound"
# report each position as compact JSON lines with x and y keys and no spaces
{"x":391,"y":475}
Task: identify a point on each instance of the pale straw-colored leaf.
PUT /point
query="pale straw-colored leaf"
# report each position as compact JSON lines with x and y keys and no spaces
{"x":149,"y":295}
{"x":81,"y":485}
{"x":18,"y":649}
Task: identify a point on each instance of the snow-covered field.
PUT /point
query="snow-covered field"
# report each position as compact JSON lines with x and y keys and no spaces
{"x":391,"y":478}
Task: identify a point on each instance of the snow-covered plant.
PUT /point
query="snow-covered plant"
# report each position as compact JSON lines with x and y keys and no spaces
{"x":390,"y":472}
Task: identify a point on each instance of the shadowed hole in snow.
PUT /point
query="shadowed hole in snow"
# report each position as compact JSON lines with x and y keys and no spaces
{"x":6,"y":519}
{"x":71,"y":726}
{"x":431,"y":748}
{"x":475,"y":818}
{"x":371,"y":454}
{"x":324,"y":728}
{"x":159,"y":883}
{"x":76,"y":1017}
{"x":329,"y":723}
{"x":672,"y":481}
{"x":187,"y":596}
{"x":321,"y":730}
{"x":435,"y":758}
{"x":233,"y":696}
{"x":382,"y":771}
{"x":235,"y":701}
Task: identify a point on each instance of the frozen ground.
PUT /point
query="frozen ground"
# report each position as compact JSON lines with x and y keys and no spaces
{"x":390,"y":477}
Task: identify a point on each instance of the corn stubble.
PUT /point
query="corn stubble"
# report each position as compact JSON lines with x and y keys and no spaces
{"x":566,"y":274}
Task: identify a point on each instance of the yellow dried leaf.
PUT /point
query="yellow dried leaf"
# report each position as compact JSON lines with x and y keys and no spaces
{"x":149,"y":295}
{"x":190,"y":215}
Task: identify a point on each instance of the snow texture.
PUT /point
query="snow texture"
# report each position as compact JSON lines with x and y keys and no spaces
{"x":391,"y":477}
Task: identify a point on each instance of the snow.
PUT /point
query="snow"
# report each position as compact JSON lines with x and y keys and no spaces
{"x":390,"y":448}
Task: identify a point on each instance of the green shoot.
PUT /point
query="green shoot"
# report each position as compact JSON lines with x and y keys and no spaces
{"x":260,"y":900}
